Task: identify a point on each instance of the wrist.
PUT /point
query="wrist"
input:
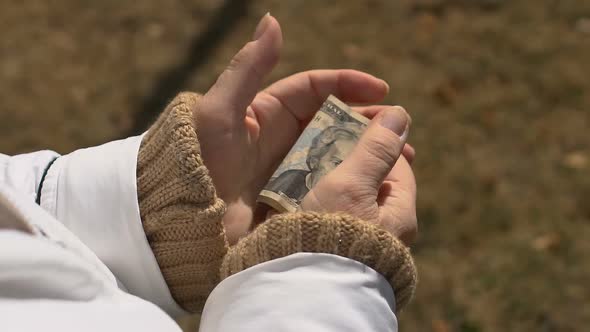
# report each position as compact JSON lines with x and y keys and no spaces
{"x":180,"y":210}
{"x":337,"y":234}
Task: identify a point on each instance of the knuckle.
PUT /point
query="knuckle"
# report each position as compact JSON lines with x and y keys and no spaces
{"x":253,"y":61}
{"x":244,"y":62}
{"x":235,"y":63}
{"x":374,"y":157}
{"x":380,"y":149}
{"x":238,"y":60}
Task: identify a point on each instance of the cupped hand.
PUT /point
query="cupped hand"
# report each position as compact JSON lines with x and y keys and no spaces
{"x":245,"y":133}
{"x":375,"y":182}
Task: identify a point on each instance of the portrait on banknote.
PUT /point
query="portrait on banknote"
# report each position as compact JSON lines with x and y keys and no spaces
{"x":327,"y":150}
{"x":324,"y":144}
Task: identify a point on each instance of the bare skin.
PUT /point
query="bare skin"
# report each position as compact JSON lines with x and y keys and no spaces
{"x":245,"y":132}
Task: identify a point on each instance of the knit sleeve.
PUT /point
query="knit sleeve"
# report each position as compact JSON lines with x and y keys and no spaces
{"x":179,"y":208}
{"x":338,"y":234}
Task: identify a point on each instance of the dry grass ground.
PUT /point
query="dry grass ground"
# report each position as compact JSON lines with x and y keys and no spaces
{"x":498,"y":91}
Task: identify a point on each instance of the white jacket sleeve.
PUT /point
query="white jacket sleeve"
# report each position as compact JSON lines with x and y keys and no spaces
{"x":93,"y":192}
{"x":50,"y":281}
{"x":302,"y":292}
{"x":24,"y":172}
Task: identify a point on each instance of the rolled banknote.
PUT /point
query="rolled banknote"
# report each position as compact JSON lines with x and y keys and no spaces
{"x":326,"y":141}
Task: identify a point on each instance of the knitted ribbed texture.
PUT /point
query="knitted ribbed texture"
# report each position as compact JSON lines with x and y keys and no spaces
{"x":180,"y":211}
{"x":338,"y":234}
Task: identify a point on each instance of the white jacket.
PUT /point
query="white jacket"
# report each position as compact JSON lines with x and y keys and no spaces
{"x":89,"y":267}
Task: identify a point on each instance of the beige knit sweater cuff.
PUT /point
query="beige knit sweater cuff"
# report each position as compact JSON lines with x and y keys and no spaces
{"x":338,"y":234}
{"x":179,"y":208}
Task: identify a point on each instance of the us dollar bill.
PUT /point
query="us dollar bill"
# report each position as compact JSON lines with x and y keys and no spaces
{"x":326,"y":141}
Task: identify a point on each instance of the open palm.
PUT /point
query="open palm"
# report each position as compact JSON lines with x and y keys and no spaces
{"x":245,"y":133}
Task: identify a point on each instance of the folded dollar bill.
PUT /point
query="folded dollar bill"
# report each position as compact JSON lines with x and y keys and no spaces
{"x":326,"y":141}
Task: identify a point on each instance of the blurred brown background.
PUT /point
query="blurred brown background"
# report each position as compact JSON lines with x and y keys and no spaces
{"x":498,"y":91}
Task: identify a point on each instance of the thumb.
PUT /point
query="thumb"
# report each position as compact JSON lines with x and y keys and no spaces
{"x":378,"y":149}
{"x":237,"y":86}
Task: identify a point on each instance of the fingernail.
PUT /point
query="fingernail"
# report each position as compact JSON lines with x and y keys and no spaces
{"x":386,"y":86}
{"x":261,"y":27}
{"x":396,"y":120}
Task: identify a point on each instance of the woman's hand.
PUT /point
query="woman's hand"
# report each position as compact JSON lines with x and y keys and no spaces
{"x":244,"y":134}
{"x":374,"y":183}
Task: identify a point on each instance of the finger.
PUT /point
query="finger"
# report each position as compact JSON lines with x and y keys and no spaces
{"x":371,"y":111}
{"x":238,"y":84}
{"x":378,"y":149}
{"x":397,"y":200}
{"x":409,"y":153}
{"x":302,"y":94}
{"x":402,"y":177}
